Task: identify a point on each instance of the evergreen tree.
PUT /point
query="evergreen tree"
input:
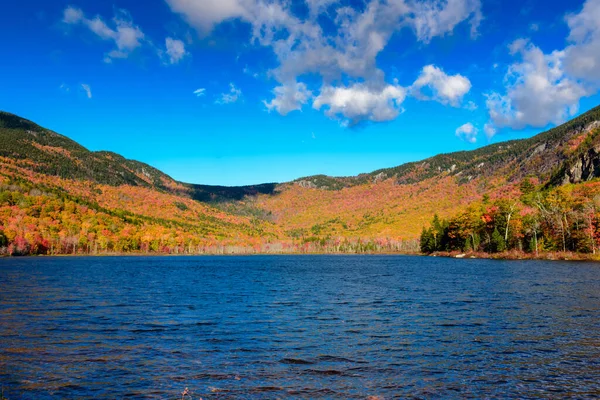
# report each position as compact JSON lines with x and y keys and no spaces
{"x":526,"y":187}
{"x":498,"y":244}
{"x":427,"y":241}
{"x":533,"y":245}
{"x":476,"y":239}
{"x":468,"y":245}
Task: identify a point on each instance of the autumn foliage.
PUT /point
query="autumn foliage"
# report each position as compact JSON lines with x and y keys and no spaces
{"x":537,"y":220}
{"x":531,"y":196}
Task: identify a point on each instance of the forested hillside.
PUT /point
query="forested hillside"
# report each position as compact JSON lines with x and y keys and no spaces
{"x":533,"y":195}
{"x":400,"y":201}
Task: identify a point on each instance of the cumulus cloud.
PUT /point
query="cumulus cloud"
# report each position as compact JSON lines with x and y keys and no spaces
{"x":582,"y":57}
{"x":446,"y":89}
{"x":87,"y":89}
{"x":72,"y":15}
{"x":489,"y":130}
{"x":175,"y":50}
{"x":205,"y":14}
{"x":318,"y":6}
{"x":125,"y":35}
{"x":434,"y":18}
{"x":200,"y":92}
{"x":467,"y":132}
{"x":538,"y":90}
{"x":288,"y":98}
{"x":346,"y":53}
{"x":358,"y":102}
{"x":546,"y":88}
{"x":232,"y":96}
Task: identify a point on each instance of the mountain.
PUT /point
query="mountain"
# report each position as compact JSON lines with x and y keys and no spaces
{"x":57,"y":196}
{"x":399,"y":201}
{"x":539,"y":154}
{"x":57,"y":155}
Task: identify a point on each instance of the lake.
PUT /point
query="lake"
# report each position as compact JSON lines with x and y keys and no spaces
{"x":298,"y":327}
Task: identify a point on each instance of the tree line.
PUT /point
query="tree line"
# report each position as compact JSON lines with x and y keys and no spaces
{"x":530,"y":218}
{"x":40,"y":220}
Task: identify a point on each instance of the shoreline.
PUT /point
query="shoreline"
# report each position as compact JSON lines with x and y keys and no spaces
{"x":504,"y":256}
{"x":519,"y":255}
{"x":132,"y":254}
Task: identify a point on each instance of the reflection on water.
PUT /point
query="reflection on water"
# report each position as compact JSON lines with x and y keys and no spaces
{"x":298,"y":327}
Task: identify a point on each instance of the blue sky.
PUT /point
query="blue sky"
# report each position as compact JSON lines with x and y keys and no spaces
{"x":248,"y":91}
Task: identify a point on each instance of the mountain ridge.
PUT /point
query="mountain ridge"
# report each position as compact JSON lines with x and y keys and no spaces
{"x":406,"y":173}
{"x":58,"y":197}
{"x":24,"y":139}
{"x":444,"y":161}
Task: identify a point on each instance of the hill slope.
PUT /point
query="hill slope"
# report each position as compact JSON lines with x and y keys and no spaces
{"x":57,"y":196}
{"x":48,"y":152}
{"x":399,"y":201}
{"x":538,"y":154}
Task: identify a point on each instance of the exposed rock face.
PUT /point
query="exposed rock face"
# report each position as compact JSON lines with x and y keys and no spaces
{"x":306,"y":184}
{"x":539,"y":149}
{"x":585,"y":167}
{"x":379,"y":177}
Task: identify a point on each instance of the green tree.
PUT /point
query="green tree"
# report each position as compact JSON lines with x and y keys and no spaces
{"x":526,"y":187}
{"x":498,"y":244}
{"x":427,"y":242}
{"x":440,"y":233}
{"x":532,"y":228}
{"x":3,"y":239}
{"x":470,"y":224}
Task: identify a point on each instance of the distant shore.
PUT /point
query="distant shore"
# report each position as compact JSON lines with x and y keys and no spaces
{"x":150,"y":254}
{"x":507,"y":255}
{"x":520,"y":255}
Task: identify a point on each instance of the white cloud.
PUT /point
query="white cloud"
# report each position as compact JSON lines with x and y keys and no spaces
{"x":316,"y":7}
{"x":175,"y":50}
{"x":359,"y":102}
{"x":446,"y":89}
{"x":489,"y":130}
{"x":471,"y":106}
{"x":232,"y":96}
{"x":126,"y":36}
{"x":303,"y":46}
{"x":435,"y":18}
{"x":72,"y":15}
{"x":582,"y":58}
{"x":205,"y":14}
{"x":289,"y":98}
{"x":87,"y":89}
{"x":64,"y":87}
{"x":200,"y":92}
{"x":538,"y":91}
{"x":467,"y":132}
{"x":546,"y":88}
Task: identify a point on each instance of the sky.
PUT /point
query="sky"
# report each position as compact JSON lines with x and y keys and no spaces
{"x":237,"y":92}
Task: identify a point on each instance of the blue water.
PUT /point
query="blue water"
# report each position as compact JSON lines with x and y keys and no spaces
{"x":298,"y":327}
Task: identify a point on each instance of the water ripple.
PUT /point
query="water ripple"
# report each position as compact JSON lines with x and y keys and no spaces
{"x":374,"y":327}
